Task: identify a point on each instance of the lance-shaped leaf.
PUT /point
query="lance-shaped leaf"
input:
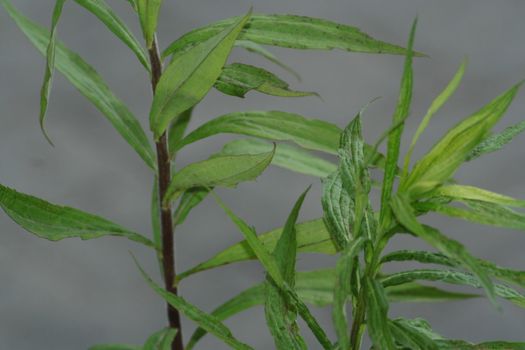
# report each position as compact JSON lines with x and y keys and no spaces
{"x":452,"y":277}
{"x":54,"y":222}
{"x":342,"y":289}
{"x":189,"y":200}
{"x":225,"y":171}
{"x":411,"y":338}
{"x":394,"y":136}
{"x":110,"y":19}
{"x":434,"y":107}
{"x":148,"y":11}
{"x":50,"y":65}
{"x":177,"y":130}
{"x":404,"y":213}
{"x":312,"y":237}
{"x":296,"y":32}
{"x":338,"y":208}
{"x":497,"y":141}
{"x":438,"y":165}
{"x":461,"y":192}
{"x":250,"y":46}
{"x":161,"y":340}
{"x":238,"y":79}
{"x":417,"y":293}
{"x":191,"y":75}
{"x":377,"y":315}
{"x":204,"y":320}
{"x":286,"y":156}
{"x":90,"y":84}
{"x":281,"y":315}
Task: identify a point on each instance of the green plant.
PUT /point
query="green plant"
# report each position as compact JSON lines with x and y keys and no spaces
{"x":350,"y":227}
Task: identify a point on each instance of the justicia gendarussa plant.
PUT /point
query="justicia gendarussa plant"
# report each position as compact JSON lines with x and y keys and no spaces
{"x":180,"y":77}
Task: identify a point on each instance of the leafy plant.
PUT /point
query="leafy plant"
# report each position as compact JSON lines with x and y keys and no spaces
{"x":180,"y":77}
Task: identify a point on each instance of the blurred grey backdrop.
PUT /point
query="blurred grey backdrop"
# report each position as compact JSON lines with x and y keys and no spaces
{"x":73,"y":294}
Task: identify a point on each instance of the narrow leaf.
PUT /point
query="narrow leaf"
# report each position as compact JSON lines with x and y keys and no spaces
{"x":161,"y":340}
{"x":189,"y":200}
{"x":54,"y":222}
{"x":190,"y":76}
{"x":377,"y":315}
{"x":177,"y":130}
{"x":411,"y":338}
{"x":461,"y":192}
{"x":338,"y":208}
{"x":90,"y":84}
{"x":497,"y":141}
{"x":413,"y":293}
{"x":225,"y":171}
{"x":148,"y":11}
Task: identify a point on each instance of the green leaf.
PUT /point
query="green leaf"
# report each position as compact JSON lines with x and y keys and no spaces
{"x":286,"y":156}
{"x":312,"y":237}
{"x":296,"y":32}
{"x":177,"y":130}
{"x":377,"y":315}
{"x":394,"y":136}
{"x":110,"y":19}
{"x":438,"y":165}
{"x":410,"y":337}
{"x":413,"y":292}
{"x":453,"y":249}
{"x":452,"y":277}
{"x":161,"y":340}
{"x":50,"y":66}
{"x":258,"y":49}
{"x":189,"y":200}
{"x":238,"y":79}
{"x":90,"y":84}
{"x":497,"y":141}
{"x":148,"y":11}
{"x":225,"y":171}
{"x":492,"y":345}
{"x":115,"y":347}
{"x":434,"y":107}
{"x":461,"y":192}
{"x":338,"y":208}
{"x":54,"y":222}
{"x":191,"y":75}
{"x":204,"y":320}
{"x":342,"y":289}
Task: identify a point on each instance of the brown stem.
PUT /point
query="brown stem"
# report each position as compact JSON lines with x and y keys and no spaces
{"x":164,"y":176}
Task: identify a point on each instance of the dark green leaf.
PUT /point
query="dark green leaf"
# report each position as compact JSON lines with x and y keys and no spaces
{"x":497,"y":141}
{"x":55,"y":222}
{"x":290,"y":31}
{"x":411,"y":338}
{"x":148,"y":11}
{"x":286,"y":156}
{"x":225,"y":171}
{"x":191,"y":75}
{"x":413,"y":292}
{"x":177,"y":130}
{"x":90,"y":84}
{"x":338,"y":208}
{"x":238,"y":79}
{"x":208,"y":322}
{"x":377,"y":315}
{"x":189,"y":200}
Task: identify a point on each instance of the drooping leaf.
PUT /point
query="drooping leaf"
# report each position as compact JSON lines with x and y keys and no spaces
{"x":338,"y":208}
{"x":414,"y":293}
{"x":342,"y":289}
{"x":404,"y":213}
{"x":54,"y":222}
{"x":461,"y":192}
{"x":452,"y":277}
{"x":286,"y":156}
{"x":260,"y":50}
{"x":290,"y":31}
{"x":312,"y":237}
{"x":377,"y":315}
{"x":394,"y":136}
{"x":50,"y":66}
{"x":225,"y":171}
{"x":208,"y":322}
{"x":434,"y":107}
{"x":238,"y":79}
{"x":110,"y":19}
{"x":189,"y":200}
{"x":90,"y":84}
{"x":191,"y":75}
{"x":177,"y":130}
{"x":161,"y":340}
{"x":148,"y":11}
{"x":497,"y":141}
{"x":438,"y":165}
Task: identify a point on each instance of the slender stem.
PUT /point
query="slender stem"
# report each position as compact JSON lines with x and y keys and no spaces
{"x":166,"y":221}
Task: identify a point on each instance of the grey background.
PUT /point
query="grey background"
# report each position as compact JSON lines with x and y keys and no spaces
{"x":74,"y":294}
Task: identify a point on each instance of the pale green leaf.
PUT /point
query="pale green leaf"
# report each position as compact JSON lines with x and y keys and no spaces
{"x":189,"y":200}
{"x":286,"y":156}
{"x":208,"y":322}
{"x":191,"y":75}
{"x":225,"y":171}
{"x":461,"y":192}
{"x":238,"y":79}
{"x":291,"y":31}
{"x":148,"y":11}
{"x":90,"y":84}
{"x":434,"y":107}
{"x":497,"y":141}
{"x":312,"y":237}
{"x":161,"y":340}
{"x":54,"y":222}
{"x":110,"y":19}
{"x":377,"y":315}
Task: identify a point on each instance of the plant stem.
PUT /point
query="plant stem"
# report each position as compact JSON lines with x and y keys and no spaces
{"x":166,"y":220}
{"x":356,"y":332}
